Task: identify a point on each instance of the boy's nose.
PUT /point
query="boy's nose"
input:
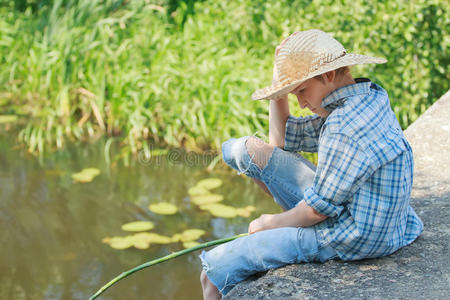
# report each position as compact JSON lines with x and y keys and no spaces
{"x":301,"y":102}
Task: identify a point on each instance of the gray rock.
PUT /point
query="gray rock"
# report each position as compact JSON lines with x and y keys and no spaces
{"x":418,"y":271}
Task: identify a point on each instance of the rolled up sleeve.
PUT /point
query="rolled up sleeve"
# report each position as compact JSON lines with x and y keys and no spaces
{"x":302,"y":133}
{"x":343,"y":166}
{"x":321,"y":205}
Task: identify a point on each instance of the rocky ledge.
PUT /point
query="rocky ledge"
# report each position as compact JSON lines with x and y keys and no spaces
{"x":418,"y":271}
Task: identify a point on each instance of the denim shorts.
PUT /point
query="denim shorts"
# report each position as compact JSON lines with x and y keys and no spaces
{"x":286,"y":175}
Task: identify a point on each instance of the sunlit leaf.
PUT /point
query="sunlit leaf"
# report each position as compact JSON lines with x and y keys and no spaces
{"x":81,"y":177}
{"x":163,"y":208}
{"x":138,"y":226}
{"x":191,"y":234}
{"x":250,"y":208}
{"x":209,"y":183}
{"x":160,"y":239}
{"x":190,"y":244}
{"x":141,"y":240}
{"x":220,"y":210}
{"x":245,"y":211}
{"x":91,"y":171}
{"x":141,"y":245}
{"x":121,"y":242}
{"x":86,"y":175}
{"x":176,"y":237}
{"x":206,"y":199}
{"x":143,"y":236}
{"x":7,"y":119}
{"x":197,"y":190}
{"x":152,"y":237}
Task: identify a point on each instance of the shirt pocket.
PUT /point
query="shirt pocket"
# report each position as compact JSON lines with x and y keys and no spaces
{"x":389,"y":145}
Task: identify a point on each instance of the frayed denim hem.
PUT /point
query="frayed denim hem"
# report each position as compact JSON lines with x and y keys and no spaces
{"x":227,"y":286}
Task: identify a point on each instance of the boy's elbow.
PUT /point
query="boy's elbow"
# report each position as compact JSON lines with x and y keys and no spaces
{"x":308,"y":216}
{"x":314,"y":216}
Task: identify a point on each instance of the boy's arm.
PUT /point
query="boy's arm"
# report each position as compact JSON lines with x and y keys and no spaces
{"x":291,"y":133}
{"x":278,"y":112}
{"x":302,"y":133}
{"x":302,"y":215}
{"x":278,"y":115}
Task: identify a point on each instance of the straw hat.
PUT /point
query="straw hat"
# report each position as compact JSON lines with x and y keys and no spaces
{"x":307,"y":54}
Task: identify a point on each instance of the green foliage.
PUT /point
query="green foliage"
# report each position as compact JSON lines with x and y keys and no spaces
{"x":181,"y":73}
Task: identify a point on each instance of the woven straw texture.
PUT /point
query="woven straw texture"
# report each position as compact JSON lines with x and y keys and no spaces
{"x":307,"y":54}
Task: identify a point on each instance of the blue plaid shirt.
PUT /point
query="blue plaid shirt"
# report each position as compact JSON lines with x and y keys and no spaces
{"x":364,"y":172}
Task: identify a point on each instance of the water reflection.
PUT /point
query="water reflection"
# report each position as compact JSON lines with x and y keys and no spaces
{"x":52,"y":228}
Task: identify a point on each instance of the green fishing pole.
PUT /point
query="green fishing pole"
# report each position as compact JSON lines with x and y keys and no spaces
{"x":163,"y":259}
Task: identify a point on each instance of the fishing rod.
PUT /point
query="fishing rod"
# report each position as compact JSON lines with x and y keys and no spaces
{"x":163,"y":259}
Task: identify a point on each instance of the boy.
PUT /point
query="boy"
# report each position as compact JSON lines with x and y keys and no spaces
{"x":355,"y":203}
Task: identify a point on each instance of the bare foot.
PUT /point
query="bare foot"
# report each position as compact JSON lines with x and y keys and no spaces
{"x":210,"y":292}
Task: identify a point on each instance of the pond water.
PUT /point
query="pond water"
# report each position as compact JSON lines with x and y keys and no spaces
{"x":51,"y":227}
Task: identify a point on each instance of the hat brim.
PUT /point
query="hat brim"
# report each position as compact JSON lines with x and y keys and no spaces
{"x":276,"y":91}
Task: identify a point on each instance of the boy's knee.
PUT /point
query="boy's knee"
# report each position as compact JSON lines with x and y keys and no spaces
{"x":259,"y":150}
{"x":234,"y":152}
{"x":238,"y":153}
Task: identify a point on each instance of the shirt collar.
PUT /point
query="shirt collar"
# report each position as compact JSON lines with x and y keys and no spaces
{"x":337,"y":97}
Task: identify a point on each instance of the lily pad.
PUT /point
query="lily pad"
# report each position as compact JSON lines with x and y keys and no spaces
{"x":209,"y":183}
{"x":91,"y":171}
{"x":121,"y":242}
{"x":206,"y":199}
{"x":141,"y":245}
{"x":191,"y":234}
{"x":250,"y":208}
{"x":190,"y":244}
{"x":7,"y":119}
{"x":197,"y":190}
{"x":141,"y":240}
{"x":163,"y":208}
{"x":86,"y":175}
{"x":152,"y":237}
{"x":245,"y":211}
{"x":176,"y":237}
{"x":138,"y":226}
{"x":220,"y":210}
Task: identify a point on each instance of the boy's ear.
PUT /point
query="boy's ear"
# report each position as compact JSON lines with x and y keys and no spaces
{"x":329,"y":76}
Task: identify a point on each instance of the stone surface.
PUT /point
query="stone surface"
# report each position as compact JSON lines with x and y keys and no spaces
{"x":418,"y":271}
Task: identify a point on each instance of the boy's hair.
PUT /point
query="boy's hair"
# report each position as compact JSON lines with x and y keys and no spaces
{"x":340,"y":72}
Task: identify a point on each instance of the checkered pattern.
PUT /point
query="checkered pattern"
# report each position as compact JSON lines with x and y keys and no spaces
{"x":364,"y":173}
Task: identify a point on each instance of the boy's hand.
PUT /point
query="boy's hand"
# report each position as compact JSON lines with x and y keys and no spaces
{"x":275,"y":70}
{"x":264,"y":222}
{"x":301,"y":215}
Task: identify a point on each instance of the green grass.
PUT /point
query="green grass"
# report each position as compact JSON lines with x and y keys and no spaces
{"x":181,"y":75}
